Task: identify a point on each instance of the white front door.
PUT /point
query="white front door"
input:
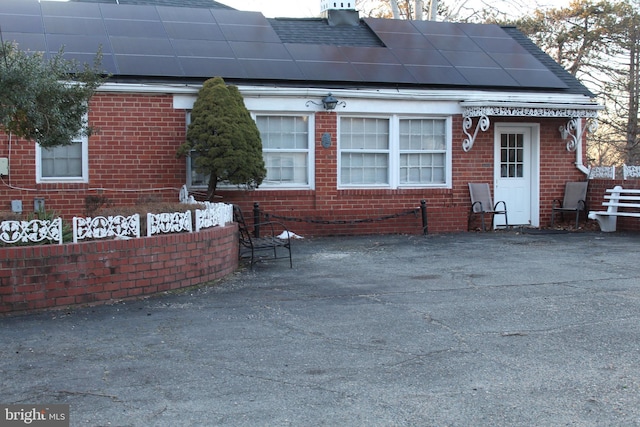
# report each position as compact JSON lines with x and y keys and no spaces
{"x":516,"y":173}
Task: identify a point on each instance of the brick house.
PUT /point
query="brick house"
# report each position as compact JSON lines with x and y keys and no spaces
{"x":423,"y":108}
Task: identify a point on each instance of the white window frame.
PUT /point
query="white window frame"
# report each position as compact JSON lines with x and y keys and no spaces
{"x":310,"y":150}
{"x":394,"y":152}
{"x":84,"y":178}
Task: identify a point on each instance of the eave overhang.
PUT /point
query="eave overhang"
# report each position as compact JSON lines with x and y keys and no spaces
{"x":571,"y":132}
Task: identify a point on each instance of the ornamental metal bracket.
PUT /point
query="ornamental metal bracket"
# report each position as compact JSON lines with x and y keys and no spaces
{"x":572,"y":132}
{"x":467,"y":123}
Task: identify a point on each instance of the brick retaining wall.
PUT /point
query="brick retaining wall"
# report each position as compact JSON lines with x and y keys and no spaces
{"x":37,"y":277}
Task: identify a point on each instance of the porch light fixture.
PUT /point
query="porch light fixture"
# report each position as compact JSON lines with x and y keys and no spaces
{"x":329,"y":102}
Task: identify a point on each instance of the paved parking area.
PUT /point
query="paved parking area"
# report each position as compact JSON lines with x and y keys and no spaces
{"x":495,"y":329}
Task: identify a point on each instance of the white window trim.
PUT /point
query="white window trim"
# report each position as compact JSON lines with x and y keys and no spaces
{"x":85,"y":165}
{"x":311,"y":123}
{"x":394,"y":152}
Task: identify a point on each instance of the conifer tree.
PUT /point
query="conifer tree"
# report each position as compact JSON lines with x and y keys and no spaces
{"x":223,"y":139}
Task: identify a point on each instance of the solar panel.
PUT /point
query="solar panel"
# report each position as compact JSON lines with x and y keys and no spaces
{"x":420,"y":57}
{"x":196,"y":31}
{"x":80,"y":10}
{"x":272,"y":70}
{"x":469,"y":59}
{"x":79,"y":44}
{"x":202,"y":49}
{"x":487,"y":76}
{"x":154,"y":66}
{"x":134,"y":29}
{"x":405,"y":40}
{"x":317,"y":53}
{"x":67,"y":25}
{"x":128,"y":12}
{"x":173,"y":41}
{"x":453,"y":43}
{"x":142,"y":46}
{"x":329,"y":71}
{"x":185,"y":15}
{"x":21,"y":23}
{"x":380,"y":73}
{"x":249,"y":33}
{"x":499,"y":45}
{"x":209,"y":67}
{"x":273,"y":51}
{"x":535,"y":78}
{"x":440,"y":75}
{"x":27,"y":41}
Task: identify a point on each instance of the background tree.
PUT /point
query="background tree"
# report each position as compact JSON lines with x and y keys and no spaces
{"x":45,"y":100}
{"x":598,"y":43}
{"x":222,"y":139}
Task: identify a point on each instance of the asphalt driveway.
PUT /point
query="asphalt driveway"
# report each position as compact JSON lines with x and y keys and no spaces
{"x":495,"y":329}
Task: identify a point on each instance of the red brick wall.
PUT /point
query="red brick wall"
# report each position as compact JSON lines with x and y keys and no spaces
{"x":447,"y":209}
{"x":132,"y":157}
{"x":37,"y":277}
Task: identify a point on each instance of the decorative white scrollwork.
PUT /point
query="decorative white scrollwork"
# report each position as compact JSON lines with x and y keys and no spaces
{"x":214,"y":214}
{"x":101,"y":227}
{"x":164,"y":223}
{"x":572,"y":133}
{"x":602,"y":172}
{"x":467,"y":123}
{"x":630,"y":171}
{"x":34,"y":231}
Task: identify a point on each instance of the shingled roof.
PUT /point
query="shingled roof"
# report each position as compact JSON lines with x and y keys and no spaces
{"x":144,"y":42}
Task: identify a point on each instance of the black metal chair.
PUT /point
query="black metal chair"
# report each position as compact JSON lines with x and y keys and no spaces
{"x":266,"y":241}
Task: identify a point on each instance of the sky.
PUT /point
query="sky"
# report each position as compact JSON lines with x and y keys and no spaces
{"x":278,"y":8}
{"x":311,"y":8}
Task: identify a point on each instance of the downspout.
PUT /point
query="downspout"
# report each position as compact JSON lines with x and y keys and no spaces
{"x":579,"y":143}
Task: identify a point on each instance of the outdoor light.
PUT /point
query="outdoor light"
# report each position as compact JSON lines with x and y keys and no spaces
{"x":329,"y":102}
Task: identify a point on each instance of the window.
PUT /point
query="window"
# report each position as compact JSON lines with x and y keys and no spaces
{"x":68,"y":163}
{"x":423,"y":151}
{"x":394,"y":152}
{"x":512,"y":155}
{"x":285,"y":148}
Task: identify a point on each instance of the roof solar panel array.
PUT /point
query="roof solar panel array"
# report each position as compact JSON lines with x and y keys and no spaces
{"x":177,"y":42}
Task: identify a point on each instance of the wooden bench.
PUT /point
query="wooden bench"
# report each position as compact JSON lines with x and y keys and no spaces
{"x":616,"y":198}
{"x":266,"y":240}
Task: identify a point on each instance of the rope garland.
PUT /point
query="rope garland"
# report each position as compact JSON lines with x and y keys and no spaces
{"x":269,"y":216}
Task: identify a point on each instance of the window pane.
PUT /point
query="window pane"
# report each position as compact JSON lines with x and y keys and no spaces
{"x":62,"y":162}
{"x":286,"y":168}
{"x":364,"y":133}
{"x":283,"y":132}
{"x":365,"y":169}
{"x":422,"y":168}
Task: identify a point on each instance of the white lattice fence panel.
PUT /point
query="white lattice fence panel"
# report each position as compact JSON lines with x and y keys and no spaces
{"x":164,"y":223}
{"x":630,"y":171}
{"x":34,"y":231}
{"x":213,"y":214}
{"x":102,"y":227}
{"x":602,"y":172}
